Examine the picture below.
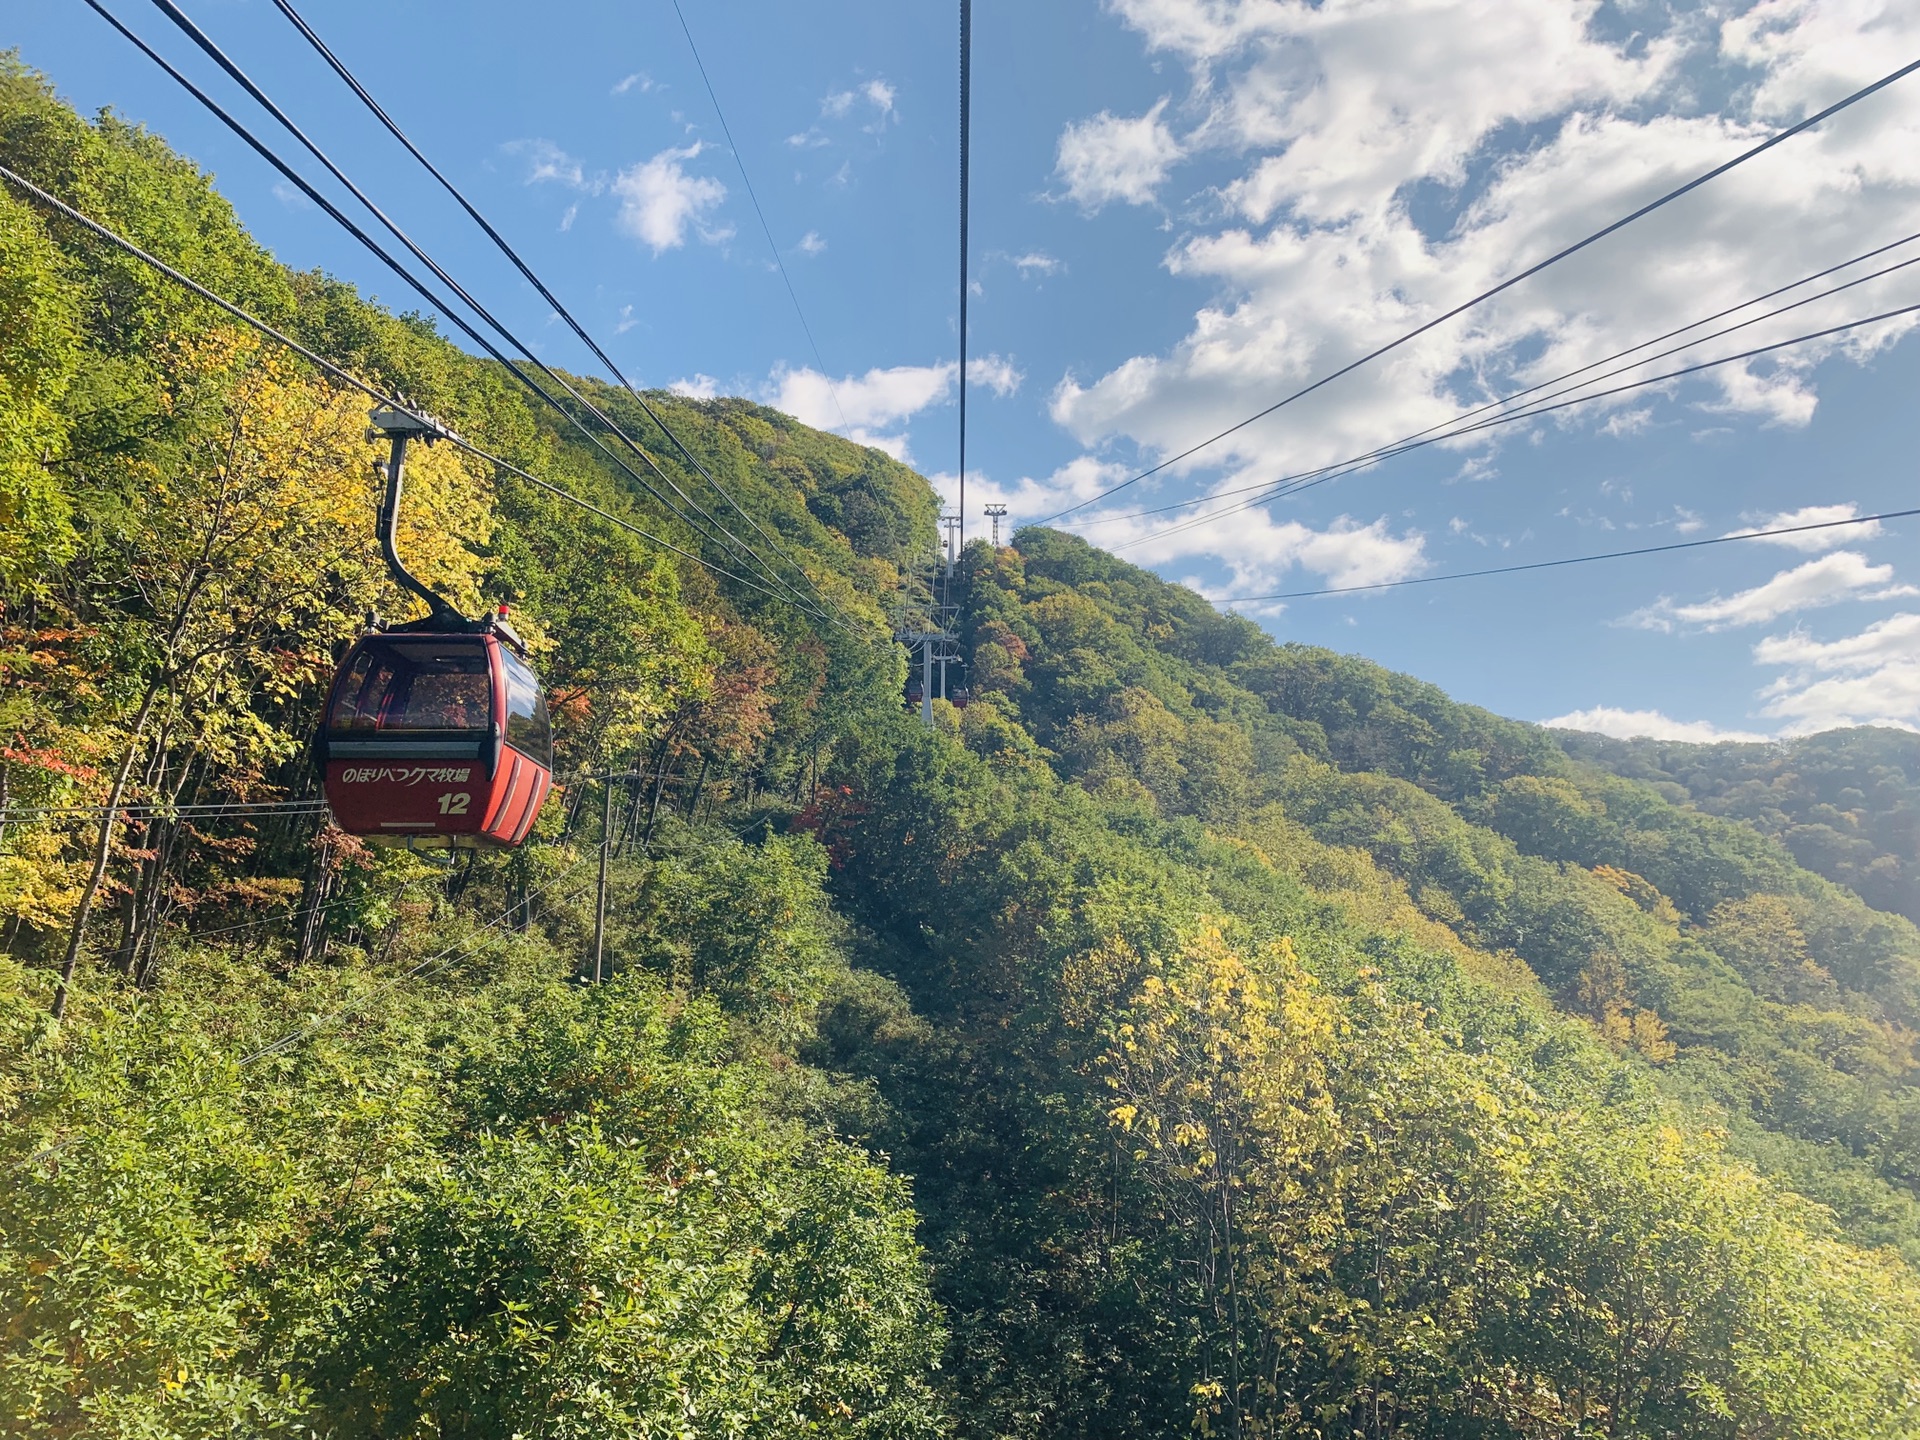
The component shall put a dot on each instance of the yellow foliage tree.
(250, 544)
(1218, 1073)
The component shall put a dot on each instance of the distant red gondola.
(435, 732)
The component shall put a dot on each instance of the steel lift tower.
(923, 621)
(996, 513)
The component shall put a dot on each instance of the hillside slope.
(1193, 1034)
(1745, 980)
(1845, 802)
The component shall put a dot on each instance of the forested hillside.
(1740, 979)
(1845, 802)
(1193, 1033)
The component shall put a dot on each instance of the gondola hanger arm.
(398, 428)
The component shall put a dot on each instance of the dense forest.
(1845, 802)
(1194, 1033)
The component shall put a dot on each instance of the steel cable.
(717, 532)
(740, 161)
(1668, 198)
(1571, 559)
(366, 97)
(966, 147)
(1534, 412)
(1286, 484)
(346, 377)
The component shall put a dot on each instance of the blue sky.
(1183, 209)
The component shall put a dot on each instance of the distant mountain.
(1845, 802)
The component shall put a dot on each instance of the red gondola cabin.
(436, 739)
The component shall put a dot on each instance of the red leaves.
(339, 850)
(997, 632)
(292, 665)
(738, 713)
(571, 707)
(830, 817)
(41, 758)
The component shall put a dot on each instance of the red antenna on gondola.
(436, 730)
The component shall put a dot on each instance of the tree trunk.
(653, 812)
(102, 852)
(460, 877)
(522, 893)
(600, 900)
(315, 891)
(144, 905)
(630, 806)
(577, 791)
(693, 809)
(1233, 1304)
(657, 761)
(146, 908)
(129, 919)
(103, 842)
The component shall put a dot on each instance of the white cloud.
(1259, 555)
(1651, 724)
(875, 405)
(876, 97)
(1257, 550)
(660, 201)
(872, 408)
(1628, 422)
(1843, 575)
(1872, 678)
(1814, 541)
(1109, 158)
(1782, 396)
(291, 196)
(1895, 638)
(1889, 696)
(571, 214)
(880, 95)
(1037, 262)
(639, 78)
(811, 243)
(1358, 96)
(1393, 157)
(626, 321)
(884, 397)
(1029, 498)
(700, 387)
(995, 373)
(547, 163)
